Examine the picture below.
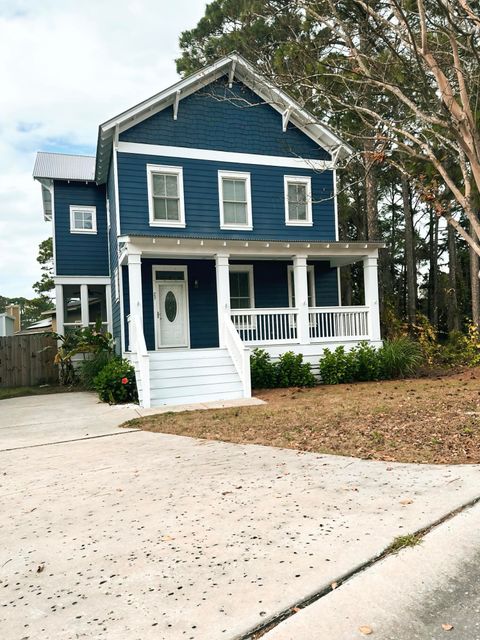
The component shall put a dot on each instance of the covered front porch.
(230, 296)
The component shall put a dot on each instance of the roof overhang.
(232, 65)
(337, 253)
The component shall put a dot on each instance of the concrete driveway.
(140, 535)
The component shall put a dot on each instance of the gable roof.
(233, 65)
(62, 166)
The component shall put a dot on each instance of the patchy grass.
(402, 542)
(17, 392)
(426, 420)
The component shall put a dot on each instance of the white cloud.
(66, 67)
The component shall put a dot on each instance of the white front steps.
(194, 375)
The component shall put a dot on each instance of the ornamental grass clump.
(116, 382)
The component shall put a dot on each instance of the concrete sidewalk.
(143, 535)
(407, 596)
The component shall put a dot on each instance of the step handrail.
(137, 345)
(239, 353)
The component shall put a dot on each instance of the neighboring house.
(7, 325)
(206, 225)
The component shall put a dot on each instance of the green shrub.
(91, 367)
(337, 366)
(366, 362)
(293, 372)
(400, 357)
(263, 371)
(116, 382)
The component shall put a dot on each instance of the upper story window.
(298, 200)
(83, 219)
(235, 200)
(165, 196)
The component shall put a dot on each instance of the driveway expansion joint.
(48, 444)
(269, 625)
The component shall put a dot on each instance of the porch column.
(223, 291)
(84, 305)
(59, 315)
(300, 280)
(135, 284)
(370, 277)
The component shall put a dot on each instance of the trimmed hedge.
(289, 371)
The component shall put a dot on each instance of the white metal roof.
(61, 166)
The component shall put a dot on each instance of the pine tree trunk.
(452, 300)
(433, 270)
(474, 283)
(371, 193)
(410, 267)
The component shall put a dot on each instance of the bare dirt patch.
(426, 420)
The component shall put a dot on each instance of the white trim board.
(224, 156)
(81, 280)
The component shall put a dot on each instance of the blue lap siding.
(224, 119)
(80, 254)
(202, 211)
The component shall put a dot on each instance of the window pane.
(240, 191)
(301, 211)
(228, 189)
(171, 186)
(240, 290)
(229, 212)
(240, 213)
(97, 303)
(158, 181)
(172, 209)
(159, 209)
(72, 312)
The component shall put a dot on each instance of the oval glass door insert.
(170, 306)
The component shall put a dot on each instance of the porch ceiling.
(338, 253)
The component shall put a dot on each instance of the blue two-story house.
(206, 225)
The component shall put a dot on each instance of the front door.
(172, 314)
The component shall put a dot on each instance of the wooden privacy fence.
(26, 361)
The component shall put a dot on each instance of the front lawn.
(17, 392)
(429, 420)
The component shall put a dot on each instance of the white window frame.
(174, 171)
(88, 208)
(310, 284)
(235, 175)
(304, 180)
(244, 268)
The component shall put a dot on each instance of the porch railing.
(138, 348)
(266, 326)
(276, 326)
(239, 353)
(336, 323)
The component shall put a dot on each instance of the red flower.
(124, 380)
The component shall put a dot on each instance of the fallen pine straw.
(426, 420)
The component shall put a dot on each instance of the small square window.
(83, 219)
(165, 195)
(235, 200)
(298, 201)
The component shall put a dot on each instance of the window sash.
(310, 283)
(240, 289)
(298, 200)
(83, 219)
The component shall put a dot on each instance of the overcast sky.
(66, 66)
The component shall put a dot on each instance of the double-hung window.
(310, 283)
(83, 219)
(298, 200)
(235, 200)
(241, 287)
(165, 196)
